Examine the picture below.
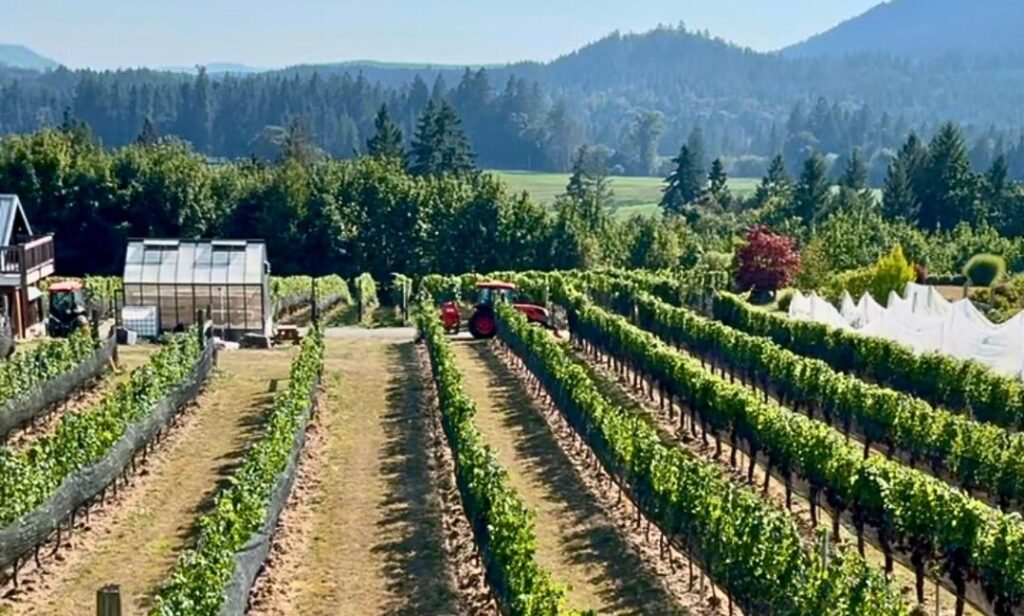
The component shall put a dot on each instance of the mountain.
(19, 56)
(924, 29)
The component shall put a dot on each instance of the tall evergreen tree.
(812, 191)
(589, 177)
(776, 183)
(425, 154)
(387, 140)
(577, 186)
(898, 197)
(297, 144)
(695, 141)
(684, 184)
(718, 184)
(440, 145)
(998, 194)
(148, 135)
(950, 188)
(855, 174)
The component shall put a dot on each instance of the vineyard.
(661, 447)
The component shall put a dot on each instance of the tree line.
(635, 96)
(425, 207)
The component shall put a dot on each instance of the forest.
(635, 96)
(428, 208)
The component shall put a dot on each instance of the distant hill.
(216, 68)
(532, 115)
(19, 56)
(924, 29)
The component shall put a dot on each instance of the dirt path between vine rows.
(136, 541)
(576, 540)
(363, 532)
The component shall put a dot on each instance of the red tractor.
(482, 324)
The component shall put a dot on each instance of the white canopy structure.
(925, 321)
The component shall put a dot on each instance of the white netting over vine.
(925, 321)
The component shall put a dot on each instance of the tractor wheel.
(482, 325)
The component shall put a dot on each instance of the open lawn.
(632, 195)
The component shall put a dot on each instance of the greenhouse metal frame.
(227, 279)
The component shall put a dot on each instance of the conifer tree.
(855, 175)
(898, 198)
(148, 135)
(440, 145)
(776, 183)
(684, 184)
(718, 184)
(387, 140)
(950, 188)
(812, 191)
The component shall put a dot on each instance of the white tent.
(925, 321)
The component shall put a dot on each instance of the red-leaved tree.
(767, 262)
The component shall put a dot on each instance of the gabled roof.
(10, 212)
(206, 262)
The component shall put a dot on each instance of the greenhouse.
(228, 279)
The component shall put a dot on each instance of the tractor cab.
(483, 323)
(67, 309)
(491, 293)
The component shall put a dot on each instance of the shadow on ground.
(414, 556)
(625, 584)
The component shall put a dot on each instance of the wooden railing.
(25, 257)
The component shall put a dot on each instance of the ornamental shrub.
(784, 300)
(985, 269)
(766, 262)
(891, 273)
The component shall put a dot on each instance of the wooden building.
(25, 260)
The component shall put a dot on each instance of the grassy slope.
(633, 195)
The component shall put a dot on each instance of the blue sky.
(273, 33)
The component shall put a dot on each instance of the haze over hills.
(21, 57)
(924, 29)
(915, 29)
(532, 115)
(215, 68)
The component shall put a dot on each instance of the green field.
(632, 195)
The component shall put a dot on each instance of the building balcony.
(27, 262)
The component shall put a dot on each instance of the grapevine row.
(240, 511)
(501, 522)
(749, 548)
(30, 370)
(976, 455)
(28, 477)
(939, 378)
(910, 510)
(290, 293)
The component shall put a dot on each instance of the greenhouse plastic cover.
(925, 321)
(189, 262)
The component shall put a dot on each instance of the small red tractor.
(67, 309)
(482, 324)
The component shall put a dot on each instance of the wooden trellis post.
(108, 601)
